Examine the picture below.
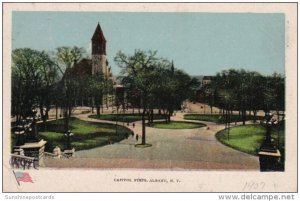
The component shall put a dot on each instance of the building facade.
(98, 61)
(97, 64)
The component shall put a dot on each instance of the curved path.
(171, 149)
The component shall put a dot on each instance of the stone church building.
(98, 61)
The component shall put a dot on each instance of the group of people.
(132, 133)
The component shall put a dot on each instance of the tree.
(139, 70)
(96, 85)
(34, 75)
(172, 88)
(274, 93)
(68, 56)
(154, 83)
(250, 91)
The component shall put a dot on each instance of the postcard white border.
(93, 180)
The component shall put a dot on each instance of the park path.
(171, 149)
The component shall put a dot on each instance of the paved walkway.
(171, 149)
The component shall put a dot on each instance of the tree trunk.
(254, 116)
(244, 117)
(106, 100)
(143, 128)
(149, 118)
(47, 112)
(70, 111)
(98, 110)
(43, 116)
(66, 120)
(166, 116)
(152, 115)
(56, 112)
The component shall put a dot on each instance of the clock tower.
(99, 60)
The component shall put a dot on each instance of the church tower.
(99, 60)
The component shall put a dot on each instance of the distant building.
(99, 59)
(207, 80)
(98, 63)
(202, 92)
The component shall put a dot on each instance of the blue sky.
(199, 43)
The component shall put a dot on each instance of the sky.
(198, 43)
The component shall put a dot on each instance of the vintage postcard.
(150, 97)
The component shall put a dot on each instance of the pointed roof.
(172, 67)
(98, 34)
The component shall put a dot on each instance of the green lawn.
(177, 125)
(124, 117)
(249, 138)
(87, 135)
(217, 118)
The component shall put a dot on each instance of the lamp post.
(267, 144)
(269, 156)
(68, 135)
(30, 127)
(117, 121)
(20, 133)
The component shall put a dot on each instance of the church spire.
(98, 34)
(98, 42)
(172, 67)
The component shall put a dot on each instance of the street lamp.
(269, 156)
(20, 134)
(267, 144)
(117, 121)
(30, 127)
(68, 135)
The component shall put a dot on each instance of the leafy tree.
(249, 91)
(139, 70)
(68, 56)
(173, 87)
(34, 75)
(95, 86)
(154, 83)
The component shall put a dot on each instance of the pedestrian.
(133, 125)
(127, 123)
(132, 134)
(137, 137)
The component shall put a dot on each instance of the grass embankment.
(249, 138)
(124, 117)
(217, 118)
(177, 125)
(87, 135)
